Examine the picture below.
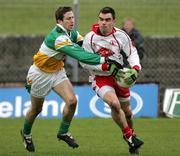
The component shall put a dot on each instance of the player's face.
(106, 23)
(68, 21)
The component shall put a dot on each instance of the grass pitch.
(97, 137)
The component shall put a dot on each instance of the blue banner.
(14, 102)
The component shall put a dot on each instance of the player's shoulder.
(121, 34)
(55, 33)
(61, 37)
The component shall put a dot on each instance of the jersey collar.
(95, 28)
(61, 27)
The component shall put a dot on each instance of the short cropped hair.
(110, 10)
(59, 14)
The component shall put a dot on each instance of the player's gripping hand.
(115, 71)
(130, 76)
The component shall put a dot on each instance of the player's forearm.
(97, 68)
(81, 55)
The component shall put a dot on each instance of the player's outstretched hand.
(115, 71)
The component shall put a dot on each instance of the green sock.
(64, 127)
(27, 127)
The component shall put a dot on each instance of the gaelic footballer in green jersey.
(59, 43)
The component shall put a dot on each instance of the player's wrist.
(137, 68)
(105, 66)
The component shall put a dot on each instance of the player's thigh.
(109, 96)
(65, 91)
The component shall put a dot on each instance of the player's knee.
(115, 105)
(72, 101)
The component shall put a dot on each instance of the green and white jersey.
(59, 43)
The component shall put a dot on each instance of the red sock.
(127, 132)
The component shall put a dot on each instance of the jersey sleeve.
(65, 45)
(130, 51)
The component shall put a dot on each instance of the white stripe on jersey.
(50, 52)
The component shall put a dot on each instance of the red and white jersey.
(111, 44)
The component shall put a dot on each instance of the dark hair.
(106, 10)
(59, 14)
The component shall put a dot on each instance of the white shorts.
(42, 83)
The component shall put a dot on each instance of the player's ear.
(59, 21)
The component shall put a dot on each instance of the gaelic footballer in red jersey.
(106, 39)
